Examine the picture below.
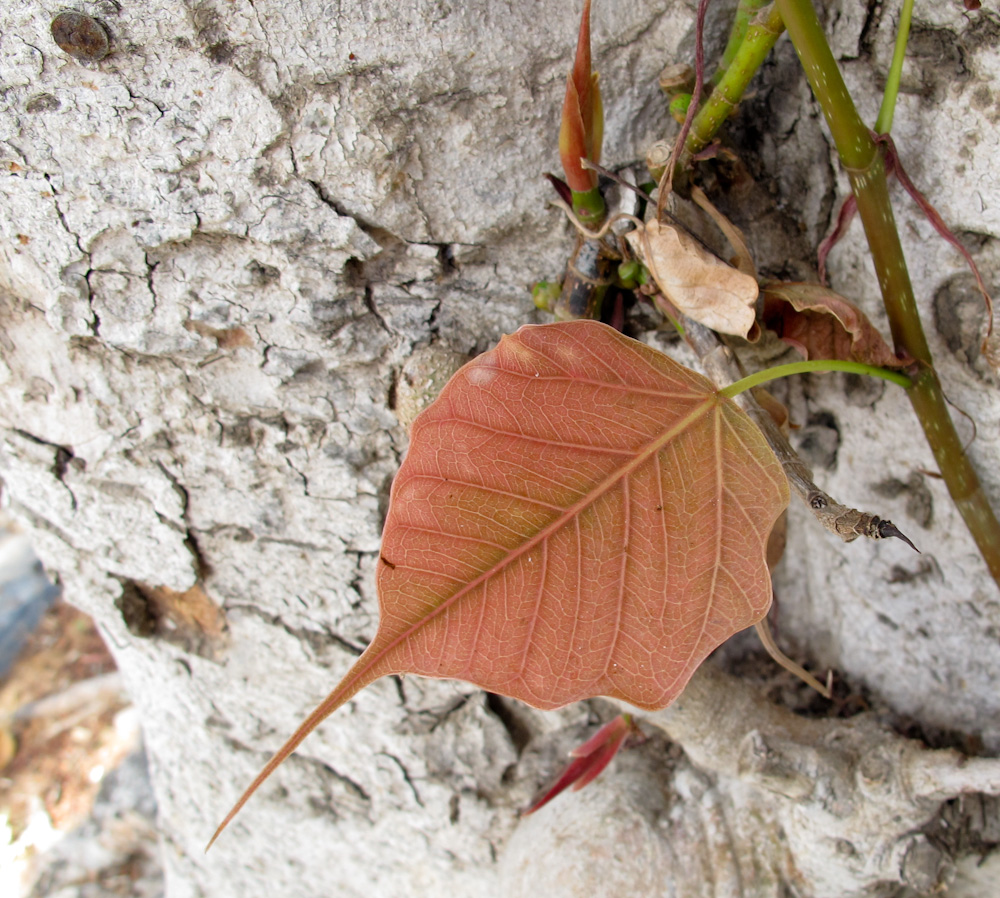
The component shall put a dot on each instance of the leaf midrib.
(711, 401)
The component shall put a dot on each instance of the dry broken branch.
(722, 368)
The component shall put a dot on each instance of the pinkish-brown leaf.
(577, 515)
(822, 324)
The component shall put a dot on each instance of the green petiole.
(768, 374)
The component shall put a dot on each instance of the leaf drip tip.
(887, 529)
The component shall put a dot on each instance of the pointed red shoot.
(589, 759)
(582, 130)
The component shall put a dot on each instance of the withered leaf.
(698, 284)
(822, 324)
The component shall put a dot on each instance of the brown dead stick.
(771, 647)
(722, 368)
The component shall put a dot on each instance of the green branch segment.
(745, 11)
(762, 31)
(883, 124)
(865, 166)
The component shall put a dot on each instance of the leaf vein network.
(546, 441)
(495, 490)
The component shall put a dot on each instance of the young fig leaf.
(822, 324)
(577, 515)
(589, 759)
(582, 129)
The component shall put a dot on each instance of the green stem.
(854, 142)
(741, 21)
(883, 124)
(760, 37)
(864, 163)
(768, 374)
(589, 207)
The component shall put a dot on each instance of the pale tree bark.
(236, 249)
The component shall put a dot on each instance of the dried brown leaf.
(698, 284)
(822, 324)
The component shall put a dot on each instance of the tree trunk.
(238, 248)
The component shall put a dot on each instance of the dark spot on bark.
(981, 97)
(312, 370)
(82, 37)
(238, 434)
(982, 34)
(221, 52)
(42, 103)
(960, 318)
(925, 568)
(862, 391)
(62, 462)
(332, 314)
(38, 389)
(136, 611)
(885, 621)
(819, 441)
(355, 274)
(869, 30)
(261, 275)
(919, 501)
(890, 487)
(973, 241)
(188, 619)
(505, 711)
(941, 59)
(392, 393)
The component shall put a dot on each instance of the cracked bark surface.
(236, 257)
